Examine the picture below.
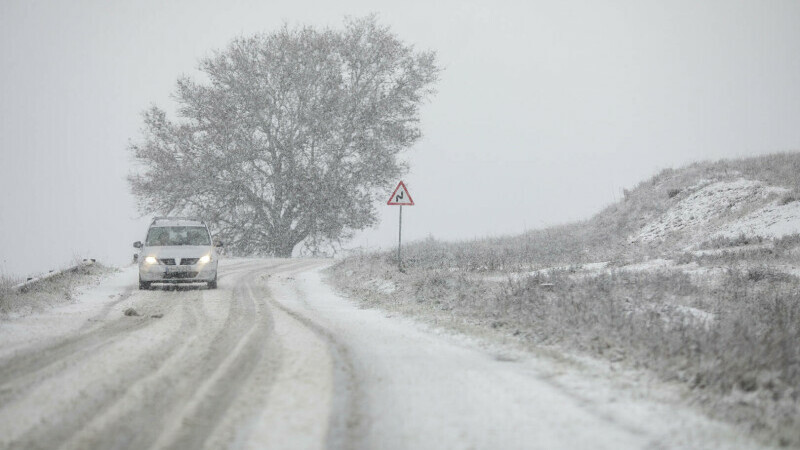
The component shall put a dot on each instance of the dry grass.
(733, 339)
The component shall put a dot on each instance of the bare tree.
(290, 138)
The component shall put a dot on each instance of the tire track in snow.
(345, 420)
(91, 323)
(122, 422)
(168, 382)
(203, 413)
(144, 419)
(74, 352)
(21, 371)
(231, 360)
(90, 400)
(139, 418)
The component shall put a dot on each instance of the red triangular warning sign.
(400, 196)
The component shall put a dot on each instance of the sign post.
(400, 240)
(400, 197)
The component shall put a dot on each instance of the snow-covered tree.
(291, 137)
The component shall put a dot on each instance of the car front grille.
(179, 275)
(167, 261)
(189, 261)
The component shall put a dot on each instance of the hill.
(693, 275)
(677, 209)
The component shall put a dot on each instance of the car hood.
(178, 251)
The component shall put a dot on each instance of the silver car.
(177, 250)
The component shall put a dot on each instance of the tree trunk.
(285, 250)
(281, 244)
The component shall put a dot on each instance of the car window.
(160, 236)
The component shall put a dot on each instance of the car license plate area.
(179, 275)
(178, 269)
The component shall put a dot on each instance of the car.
(177, 250)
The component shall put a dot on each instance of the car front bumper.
(161, 273)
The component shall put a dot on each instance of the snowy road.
(274, 359)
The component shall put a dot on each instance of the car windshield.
(160, 236)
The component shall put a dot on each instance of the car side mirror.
(218, 244)
(137, 244)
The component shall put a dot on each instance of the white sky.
(545, 111)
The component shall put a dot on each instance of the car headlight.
(204, 259)
(151, 260)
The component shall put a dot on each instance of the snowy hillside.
(687, 207)
(693, 275)
(718, 208)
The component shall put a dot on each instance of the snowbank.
(771, 221)
(708, 202)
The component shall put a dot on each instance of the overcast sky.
(545, 110)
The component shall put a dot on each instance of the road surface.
(275, 359)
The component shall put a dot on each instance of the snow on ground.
(197, 368)
(593, 269)
(773, 220)
(705, 317)
(649, 265)
(417, 386)
(19, 330)
(583, 269)
(719, 251)
(295, 365)
(382, 286)
(707, 203)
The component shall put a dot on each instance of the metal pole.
(400, 241)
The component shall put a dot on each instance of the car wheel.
(212, 284)
(144, 285)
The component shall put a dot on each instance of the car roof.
(176, 222)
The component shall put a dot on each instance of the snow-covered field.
(276, 359)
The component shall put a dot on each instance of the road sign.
(400, 196)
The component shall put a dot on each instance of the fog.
(545, 110)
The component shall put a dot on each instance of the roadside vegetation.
(719, 314)
(46, 293)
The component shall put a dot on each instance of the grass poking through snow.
(46, 293)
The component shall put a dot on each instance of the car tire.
(144, 285)
(212, 284)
